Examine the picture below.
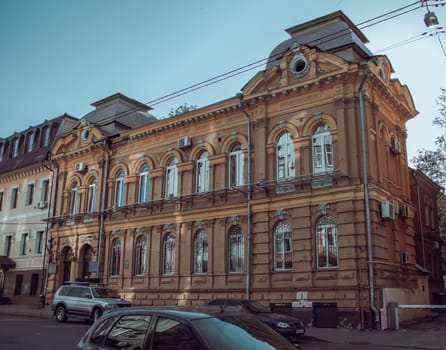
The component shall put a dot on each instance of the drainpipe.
(102, 210)
(51, 205)
(366, 199)
(420, 219)
(249, 210)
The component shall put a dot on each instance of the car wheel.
(61, 314)
(97, 312)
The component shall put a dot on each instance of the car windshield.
(104, 293)
(239, 332)
(254, 306)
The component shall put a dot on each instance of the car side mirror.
(87, 295)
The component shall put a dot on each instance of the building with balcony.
(294, 193)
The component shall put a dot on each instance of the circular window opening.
(298, 65)
(85, 134)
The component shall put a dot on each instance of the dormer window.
(85, 134)
(31, 138)
(15, 150)
(46, 136)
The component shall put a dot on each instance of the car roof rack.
(86, 282)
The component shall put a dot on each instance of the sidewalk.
(427, 334)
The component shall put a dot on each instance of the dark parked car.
(162, 328)
(290, 327)
(85, 300)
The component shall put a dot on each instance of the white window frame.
(74, 198)
(30, 191)
(322, 150)
(31, 140)
(92, 196)
(283, 246)
(169, 255)
(7, 244)
(115, 260)
(236, 166)
(15, 149)
(45, 190)
(119, 189)
(39, 237)
(172, 179)
(24, 238)
(203, 172)
(285, 157)
(201, 252)
(14, 200)
(236, 250)
(144, 184)
(140, 255)
(46, 136)
(326, 243)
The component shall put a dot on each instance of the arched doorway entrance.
(66, 259)
(86, 256)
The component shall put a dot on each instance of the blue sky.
(60, 56)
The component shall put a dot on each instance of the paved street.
(24, 332)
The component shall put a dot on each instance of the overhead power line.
(256, 64)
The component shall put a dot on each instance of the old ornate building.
(295, 192)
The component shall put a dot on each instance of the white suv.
(84, 300)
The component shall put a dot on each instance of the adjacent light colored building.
(295, 193)
(25, 196)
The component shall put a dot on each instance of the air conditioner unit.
(41, 205)
(80, 167)
(405, 257)
(387, 210)
(404, 211)
(184, 142)
(396, 207)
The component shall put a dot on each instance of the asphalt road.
(23, 333)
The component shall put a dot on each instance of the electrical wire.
(197, 86)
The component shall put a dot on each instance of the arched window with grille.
(285, 158)
(119, 189)
(201, 252)
(326, 242)
(283, 248)
(74, 199)
(203, 173)
(92, 196)
(144, 184)
(169, 255)
(236, 176)
(322, 150)
(115, 257)
(140, 255)
(172, 179)
(236, 249)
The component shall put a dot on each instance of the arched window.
(236, 249)
(236, 166)
(285, 157)
(119, 189)
(201, 252)
(74, 199)
(169, 255)
(326, 242)
(115, 257)
(172, 179)
(140, 255)
(203, 173)
(283, 249)
(92, 196)
(144, 184)
(322, 150)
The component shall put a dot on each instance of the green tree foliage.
(181, 109)
(433, 162)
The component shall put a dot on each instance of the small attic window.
(299, 65)
(85, 133)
